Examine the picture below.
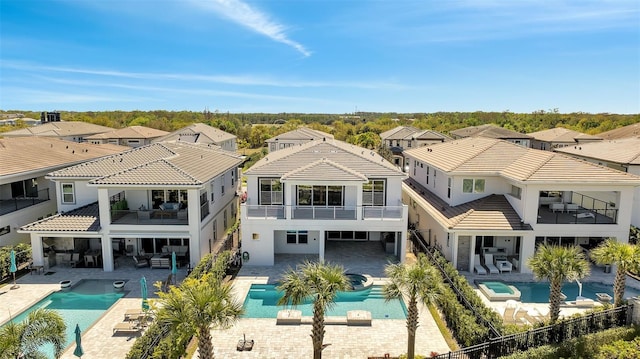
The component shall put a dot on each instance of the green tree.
(625, 256)
(24, 339)
(196, 306)
(420, 283)
(558, 264)
(369, 140)
(319, 282)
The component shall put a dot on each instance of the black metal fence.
(548, 335)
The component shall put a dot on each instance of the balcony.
(324, 212)
(15, 204)
(575, 215)
(152, 217)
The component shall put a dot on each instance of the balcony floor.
(133, 218)
(547, 216)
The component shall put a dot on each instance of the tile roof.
(129, 132)
(560, 134)
(488, 131)
(358, 159)
(325, 169)
(24, 154)
(175, 163)
(302, 133)
(493, 212)
(83, 219)
(60, 129)
(399, 133)
(197, 133)
(497, 157)
(632, 130)
(431, 135)
(623, 151)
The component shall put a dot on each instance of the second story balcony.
(150, 217)
(15, 204)
(579, 208)
(323, 212)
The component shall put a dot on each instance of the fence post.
(635, 310)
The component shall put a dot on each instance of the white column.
(107, 254)
(36, 250)
(321, 238)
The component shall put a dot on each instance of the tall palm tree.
(558, 264)
(319, 282)
(625, 256)
(198, 305)
(419, 283)
(24, 339)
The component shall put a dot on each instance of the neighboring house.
(632, 130)
(403, 138)
(25, 194)
(295, 138)
(622, 154)
(132, 136)
(76, 131)
(201, 133)
(549, 140)
(304, 198)
(25, 120)
(478, 196)
(155, 199)
(493, 131)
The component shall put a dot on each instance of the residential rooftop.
(623, 151)
(301, 134)
(197, 133)
(140, 132)
(632, 130)
(488, 131)
(59, 129)
(565, 135)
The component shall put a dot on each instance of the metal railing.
(324, 212)
(150, 217)
(15, 204)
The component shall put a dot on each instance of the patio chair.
(488, 262)
(478, 265)
(75, 260)
(88, 260)
(138, 263)
(509, 315)
(128, 327)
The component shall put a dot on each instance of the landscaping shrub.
(620, 349)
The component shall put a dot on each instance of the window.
(270, 191)
(68, 194)
(204, 205)
(320, 195)
(472, 185)
(222, 184)
(213, 191)
(516, 191)
(224, 219)
(160, 196)
(427, 174)
(234, 213)
(449, 187)
(373, 193)
(297, 237)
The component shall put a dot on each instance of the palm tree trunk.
(317, 331)
(618, 286)
(205, 347)
(554, 300)
(412, 327)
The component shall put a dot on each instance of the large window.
(472, 185)
(270, 191)
(516, 191)
(297, 237)
(68, 193)
(373, 193)
(320, 195)
(160, 196)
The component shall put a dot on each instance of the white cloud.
(254, 19)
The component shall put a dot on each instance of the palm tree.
(320, 282)
(558, 264)
(625, 256)
(24, 339)
(418, 282)
(196, 306)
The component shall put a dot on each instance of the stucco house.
(403, 138)
(491, 201)
(202, 133)
(302, 199)
(76, 131)
(559, 137)
(493, 131)
(154, 199)
(132, 136)
(26, 195)
(294, 138)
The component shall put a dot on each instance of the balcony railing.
(323, 212)
(577, 215)
(151, 217)
(15, 204)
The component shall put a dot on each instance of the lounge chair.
(133, 314)
(140, 262)
(477, 266)
(488, 262)
(128, 327)
(509, 315)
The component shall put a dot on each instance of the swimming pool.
(262, 299)
(538, 292)
(83, 304)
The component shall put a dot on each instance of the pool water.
(538, 292)
(83, 304)
(262, 299)
(498, 287)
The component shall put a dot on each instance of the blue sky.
(320, 56)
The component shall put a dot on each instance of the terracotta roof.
(503, 158)
(325, 169)
(156, 164)
(197, 133)
(358, 159)
(24, 154)
(302, 133)
(60, 129)
(560, 134)
(488, 213)
(488, 131)
(83, 219)
(623, 151)
(632, 130)
(129, 132)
